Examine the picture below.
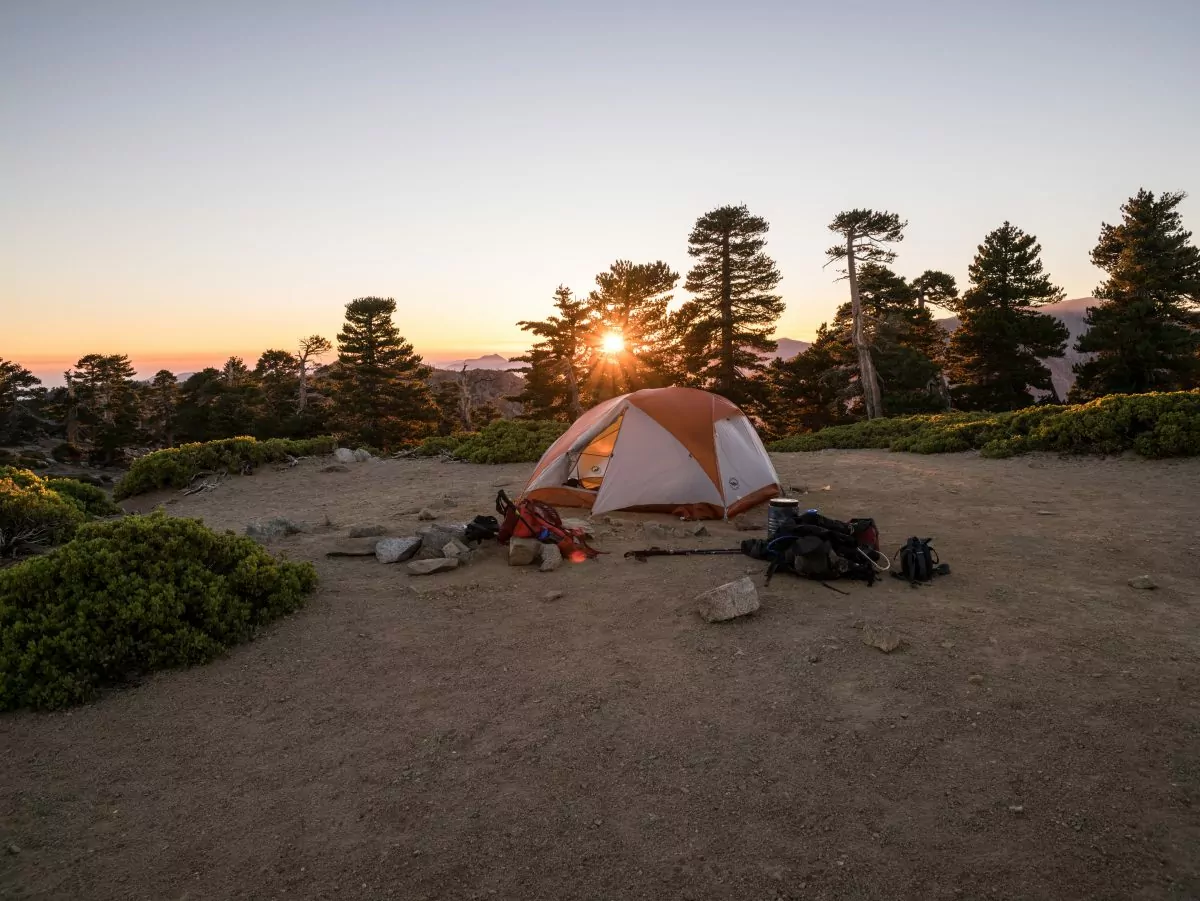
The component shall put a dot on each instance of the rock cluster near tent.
(527, 551)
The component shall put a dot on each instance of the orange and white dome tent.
(658, 450)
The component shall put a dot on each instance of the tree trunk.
(867, 377)
(572, 389)
(464, 399)
(72, 417)
(302, 399)
(727, 370)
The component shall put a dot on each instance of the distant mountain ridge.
(487, 361)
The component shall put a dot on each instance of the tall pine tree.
(17, 390)
(630, 301)
(278, 375)
(555, 378)
(382, 397)
(160, 405)
(865, 236)
(726, 329)
(995, 354)
(1145, 333)
(104, 408)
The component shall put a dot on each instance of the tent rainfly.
(677, 450)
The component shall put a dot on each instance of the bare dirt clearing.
(457, 736)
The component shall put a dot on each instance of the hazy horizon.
(183, 184)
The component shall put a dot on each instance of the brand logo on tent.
(734, 483)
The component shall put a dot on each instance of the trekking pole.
(643, 555)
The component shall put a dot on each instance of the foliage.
(558, 360)
(436, 445)
(995, 355)
(32, 513)
(66, 453)
(865, 234)
(381, 394)
(160, 405)
(1145, 333)
(18, 388)
(129, 597)
(510, 441)
(1153, 425)
(91, 500)
(103, 406)
(630, 300)
(175, 467)
(726, 328)
(310, 350)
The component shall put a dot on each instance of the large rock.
(552, 558)
(396, 550)
(523, 551)
(456, 550)
(344, 455)
(278, 527)
(367, 531)
(362, 455)
(435, 538)
(428, 567)
(728, 601)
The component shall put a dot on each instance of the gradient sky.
(182, 181)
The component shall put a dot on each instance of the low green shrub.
(510, 441)
(436, 445)
(1153, 425)
(90, 499)
(132, 596)
(175, 467)
(33, 514)
(66, 453)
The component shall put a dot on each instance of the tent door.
(592, 462)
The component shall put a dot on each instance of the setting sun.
(612, 343)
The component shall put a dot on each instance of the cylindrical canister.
(779, 511)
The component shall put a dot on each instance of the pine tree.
(995, 355)
(312, 349)
(278, 375)
(937, 289)
(195, 418)
(1145, 333)
(160, 407)
(382, 395)
(810, 391)
(17, 392)
(864, 236)
(726, 328)
(555, 378)
(105, 404)
(630, 301)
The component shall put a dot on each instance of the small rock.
(353, 547)
(1016, 808)
(396, 550)
(335, 467)
(435, 538)
(552, 595)
(273, 528)
(448, 501)
(581, 524)
(552, 558)
(659, 530)
(523, 551)
(1143, 582)
(882, 637)
(367, 531)
(500, 483)
(1047, 513)
(975, 679)
(428, 567)
(362, 455)
(426, 515)
(742, 524)
(728, 601)
(813, 658)
(699, 530)
(456, 550)
(14, 849)
(344, 455)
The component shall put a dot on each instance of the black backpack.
(917, 562)
(819, 548)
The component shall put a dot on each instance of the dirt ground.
(457, 736)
